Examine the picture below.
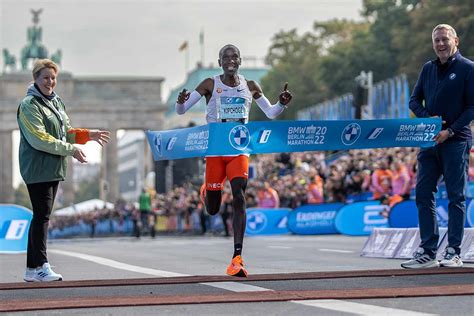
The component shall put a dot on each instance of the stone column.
(148, 157)
(169, 179)
(111, 164)
(6, 167)
(102, 180)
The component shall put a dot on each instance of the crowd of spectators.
(280, 180)
(319, 177)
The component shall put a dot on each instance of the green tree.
(394, 38)
(346, 55)
(415, 37)
(294, 59)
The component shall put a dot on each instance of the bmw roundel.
(256, 222)
(351, 134)
(239, 137)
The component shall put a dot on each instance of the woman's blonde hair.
(41, 64)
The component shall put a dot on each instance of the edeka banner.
(405, 214)
(267, 221)
(217, 139)
(314, 219)
(14, 224)
(360, 218)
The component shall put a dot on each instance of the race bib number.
(233, 108)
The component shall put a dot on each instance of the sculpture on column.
(56, 57)
(34, 48)
(9, 61)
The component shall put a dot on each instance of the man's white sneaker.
(29, 275)
(451, 259)
(46, 274)
(420, 260)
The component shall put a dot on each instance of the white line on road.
(116, 264)
(350, 307)
(358, 308)
(237, 287)
(231, 286)
(336, 250)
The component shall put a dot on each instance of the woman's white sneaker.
(46, 274)
(29, 275)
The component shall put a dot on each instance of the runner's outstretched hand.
(183, 96)
(285, 95)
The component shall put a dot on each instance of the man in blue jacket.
(445, 89)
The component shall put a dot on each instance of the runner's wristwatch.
(450, 132)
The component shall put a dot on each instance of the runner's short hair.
(221, 52)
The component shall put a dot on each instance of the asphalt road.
(176, 256)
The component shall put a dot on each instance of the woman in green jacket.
(47, 138)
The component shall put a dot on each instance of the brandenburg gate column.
(111, 166)
(6, 167)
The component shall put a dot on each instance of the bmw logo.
(256, 222)
(452, 76)
(239, 137)
(350, 134)
(158, 144)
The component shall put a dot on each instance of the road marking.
(358, 308)
(237, 287)
(231, 286)
(336, 250)
(116, 264)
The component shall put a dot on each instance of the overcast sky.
(141, 37)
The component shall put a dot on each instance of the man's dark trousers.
(450, 160)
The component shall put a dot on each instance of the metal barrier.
(388, 99)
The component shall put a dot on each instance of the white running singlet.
(229, 103)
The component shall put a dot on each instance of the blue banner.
(14, 225)
(291, 136)
(364, 196)
(267, 221)
(314, 219)
(405, 214)
(470, 213)
(360, 218)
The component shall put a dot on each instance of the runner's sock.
(237, 250)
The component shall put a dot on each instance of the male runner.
(228, 98)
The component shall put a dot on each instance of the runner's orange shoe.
(236, 267)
